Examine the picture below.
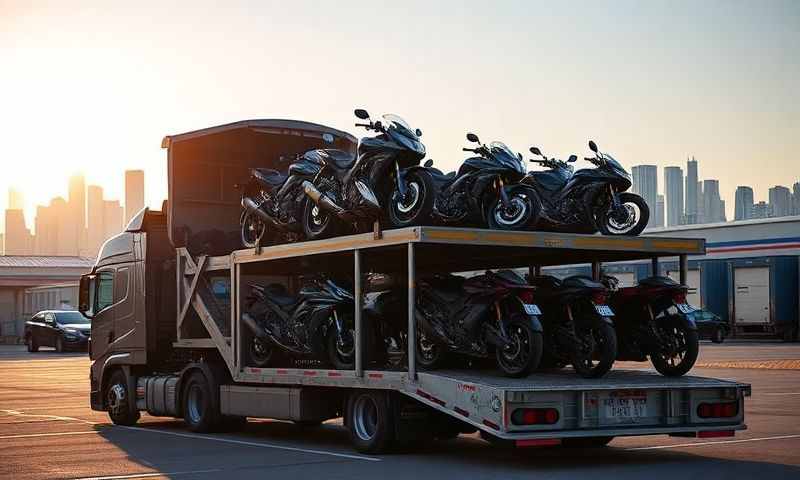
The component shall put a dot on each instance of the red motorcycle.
(654, 320)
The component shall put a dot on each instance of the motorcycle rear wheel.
(523, 210)
(430, 355)
(252, 230)
(636, 206)
(415, 209)
(260, 351)
(343, 357)
(524, 353)
(688, 344)
(596, 361)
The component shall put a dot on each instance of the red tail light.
(679, 297)
(599, 298)
(718, 410)
(534, 416)
(526, 296)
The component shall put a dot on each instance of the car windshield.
(401, 125)
(65, 318)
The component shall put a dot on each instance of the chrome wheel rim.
(517, 209)
(194, 403)
(408, 202)
(624, 227)
(116, 399)
(365, 417)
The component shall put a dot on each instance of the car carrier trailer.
(168, 339)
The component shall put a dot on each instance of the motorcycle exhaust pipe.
(324, 202)
(252, 206)
(251, 323)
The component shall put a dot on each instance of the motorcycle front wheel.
(317, 223)
(429, 354)
(520, 212)
(524, 351)
(596, 350)
(414, 208)
(260, 352)
(252, 230)
(342, 353)
(679, 356)
(630, 219)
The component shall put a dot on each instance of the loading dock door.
(693, 297)
(751, 294)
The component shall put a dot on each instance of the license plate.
(625, 406)
(604, 310)
(532, 309)
(685, 308)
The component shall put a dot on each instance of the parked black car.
(711, 326)
(62, 329)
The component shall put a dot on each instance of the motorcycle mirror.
(418, 132)
(536, 151)
(473, 138)
(592, 146)
(572, 158)
(428, 163)
(519, 155)
(361, 113)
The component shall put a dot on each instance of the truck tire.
(32, 344)
(118, 399)
(586, 442)
(199, 408)
(370, 421)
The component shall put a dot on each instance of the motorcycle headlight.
(411, 144)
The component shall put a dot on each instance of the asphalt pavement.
(47, 430)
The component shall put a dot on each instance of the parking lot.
(48, 431)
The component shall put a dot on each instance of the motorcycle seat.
(269, 177)
(658, 281)
(338, 159)
(550, 180)
(581, 281)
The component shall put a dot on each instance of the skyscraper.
(712, 203)
(700, 215)
(95, 213)
(112, 218)
(693, 196)
(645, 183)
(780, 201)
(46, 240)
(17, 236)
(673, 188)
(76, 211)
(16, 201)
(761, 210)
(134, 193)
(796, 198)
(659, 211)
(743, 209)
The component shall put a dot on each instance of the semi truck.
(167, 295)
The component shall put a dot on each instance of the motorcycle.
(385, 311)
(589, 200)
(272, 202)
(494, 311)
(485, 191)
(578, 328)
(318, 323)
(653, 320)
(349, 189)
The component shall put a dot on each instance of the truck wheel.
(586, 442)
(718, 336)
(370, 421)
(199, 410)
(32, 344)
(118, 400)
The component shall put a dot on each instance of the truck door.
(103, 320)
(751, 298)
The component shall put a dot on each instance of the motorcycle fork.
(502, 192)
(401, 184)
(500, 323)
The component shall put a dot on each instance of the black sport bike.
(315, 324)
(272, 201)
(484, 192)
(349, 190)
(492, 314)
(589, 200)
(578, 328)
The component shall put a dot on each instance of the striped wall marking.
(780, 246)
(282, 372)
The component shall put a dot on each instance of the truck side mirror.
(86, 294)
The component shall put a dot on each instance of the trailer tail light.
(526, 296)
(599, 298)
(718, 410)
(534, 416)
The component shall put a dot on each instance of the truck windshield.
(65, 318)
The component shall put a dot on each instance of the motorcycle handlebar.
(365, 125)
(465, 149)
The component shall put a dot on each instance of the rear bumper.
(621, 432)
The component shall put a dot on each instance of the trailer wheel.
(586, 442)
(370, 421)
(199, 410)
(117, 400)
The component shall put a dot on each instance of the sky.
(93, 87)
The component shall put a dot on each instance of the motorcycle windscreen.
(205, 166)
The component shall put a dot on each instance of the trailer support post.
(683, 261)
(412, 323)
(596, 271)
(358, 317)
(534, 271)
(654, 266)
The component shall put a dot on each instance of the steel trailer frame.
(479, 399)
